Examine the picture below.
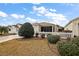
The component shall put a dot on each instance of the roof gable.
(72, 21)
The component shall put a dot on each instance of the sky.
(56, 13)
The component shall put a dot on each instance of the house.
(13, 29)
(46, 28)
(73, 26)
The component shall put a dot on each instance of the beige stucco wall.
(69, 27)
(56, 28)
(74, 27)
(36, 28)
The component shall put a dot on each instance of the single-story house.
(46, 28)
(73, 26)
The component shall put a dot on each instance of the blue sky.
(57, 13)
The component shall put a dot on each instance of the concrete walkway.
(10, 37)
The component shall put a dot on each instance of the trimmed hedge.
(53, 38)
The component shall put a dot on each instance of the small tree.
(26, 30)
(3, 30)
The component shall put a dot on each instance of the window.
(46, 29)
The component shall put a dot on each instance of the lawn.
(28, 47)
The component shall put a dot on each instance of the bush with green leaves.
(3, 30)
(53, 38)
(26, 30)
(68, 49)
(76, 41)
(68, 38)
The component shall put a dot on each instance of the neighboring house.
(73, 26)
(13, 29)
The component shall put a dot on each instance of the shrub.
(68, 38)
(26, 30)
(48, 35)
(42, 35)
(76, 41)
(68, 49)
(53, 38)
(3, 30)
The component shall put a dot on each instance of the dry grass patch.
(27, 47)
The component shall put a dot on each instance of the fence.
(61, 34)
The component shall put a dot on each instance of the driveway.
(6, 38)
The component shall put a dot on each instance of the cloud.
(17, 16)
(24, 9)
(39, 15)
(3, 14)
(4, 19)
(52, 10)
(40, 10)
(21, 16)
(57, 18)
(29, 19)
